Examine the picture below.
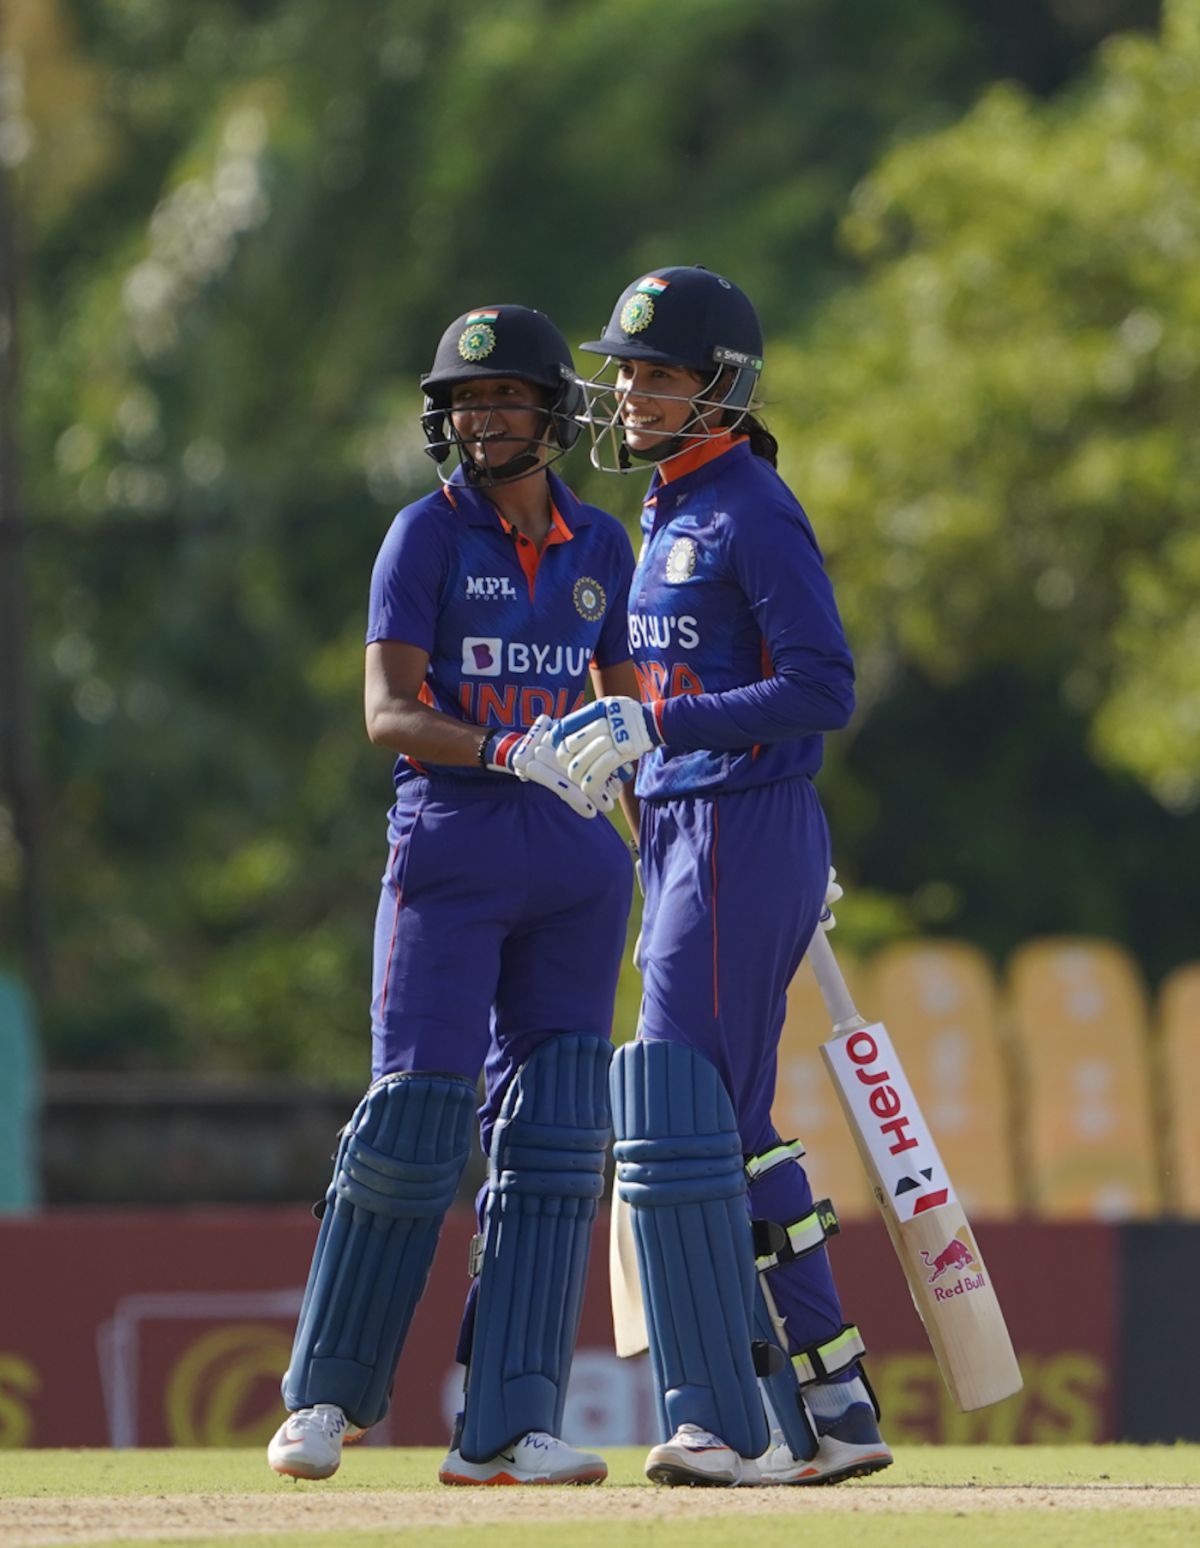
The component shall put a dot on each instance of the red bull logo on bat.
(960, 1255)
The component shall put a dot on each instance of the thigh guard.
(396, 1174)
(680, 1169)
(545, 1175)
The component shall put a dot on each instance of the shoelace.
(542, 1440)
(315, 1419)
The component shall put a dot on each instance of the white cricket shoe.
(537, 1458)
(695, 1456)
(849, 1446)
(308, 1444)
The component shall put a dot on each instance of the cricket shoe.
(698, 1458)
(308, 1444)
(537, 1458)
(849, 1446)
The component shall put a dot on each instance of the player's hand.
(529, 755)
(832, 893)
(602, 737)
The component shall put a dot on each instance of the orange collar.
(559, 531)
(696, 456)
(527, 554)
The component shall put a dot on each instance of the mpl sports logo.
(958, 1255)
(488, 587)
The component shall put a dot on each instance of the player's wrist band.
(481, 752)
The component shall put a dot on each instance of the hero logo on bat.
(902, 1148)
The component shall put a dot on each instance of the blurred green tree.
(245, 226)
(998, 428)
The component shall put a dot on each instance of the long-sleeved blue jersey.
(733, 627)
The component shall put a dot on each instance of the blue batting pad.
(680, 1169)
(396, 1174)
(783, 1388)
(545, 1174)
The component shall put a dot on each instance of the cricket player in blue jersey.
(743, 668)
(500, 928)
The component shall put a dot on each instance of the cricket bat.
(625, 1282)
(947, 1278)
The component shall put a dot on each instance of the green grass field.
(993, 1497)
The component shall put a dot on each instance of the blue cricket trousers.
(501, 922)
(735, 884)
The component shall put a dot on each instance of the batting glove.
(832, 893)
(602, 737)
(529, 755)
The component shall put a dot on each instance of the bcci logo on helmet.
(637, 314)
(478, 339)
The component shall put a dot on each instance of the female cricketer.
(500, 928)
(742, 666)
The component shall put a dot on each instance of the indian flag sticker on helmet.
(590, 601)
(652, 285)
(478, 339)
(637, 314)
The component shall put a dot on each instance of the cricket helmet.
(691, 317)
(502, 341)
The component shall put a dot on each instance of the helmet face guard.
(688, 318)
(491, 343)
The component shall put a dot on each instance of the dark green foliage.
(246, 225)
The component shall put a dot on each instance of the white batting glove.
(832, 893)
(529, 755)
(602, 737)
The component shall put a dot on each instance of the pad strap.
(545, 1176)
(759, 1166)
(822, 1361)
(775, 1243)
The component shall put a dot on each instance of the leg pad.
(680, 1168)
(396, 1174)
(545, 1177)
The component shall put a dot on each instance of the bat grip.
(841, 1007)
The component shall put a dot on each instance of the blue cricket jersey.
(510, 632)
(733, 627)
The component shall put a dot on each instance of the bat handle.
(842, 1011)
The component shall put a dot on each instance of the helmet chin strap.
(517, 467)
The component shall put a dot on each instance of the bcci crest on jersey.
(681, 561)
(589, 599)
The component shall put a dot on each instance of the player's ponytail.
(762, 443)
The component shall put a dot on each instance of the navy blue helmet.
(690, 317)
(502, 341)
